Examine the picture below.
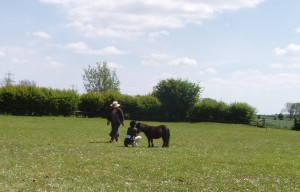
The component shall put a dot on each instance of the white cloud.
(129, 18)
(183, 61)
(253, 78)
(83, 48)
(295, 65)
(16, 54)
(288, 66)
(166, 75)
(253, 87)
(209, 71)
(110, 50)
(251, 82)
(292, 50)
(159, 56)
(161, 59)
(151, 63)
(52, 64)
(114, 65)
(156, 35)
(12, 50)
(41, 34)
(277, 65)
(279, 52)
(55, 64)
(298, 30)
(18, 60)
(2, 52)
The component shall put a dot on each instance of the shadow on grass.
(100, 142)
(107, 142)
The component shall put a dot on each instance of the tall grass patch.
(73, 154)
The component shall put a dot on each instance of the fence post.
(264, 124)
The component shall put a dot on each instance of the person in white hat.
(115, 117)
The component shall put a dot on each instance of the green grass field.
(73, 154)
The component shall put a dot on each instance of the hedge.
(32, 100)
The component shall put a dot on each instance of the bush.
(7, 99)
(240, 113)
(296, 123)
(147, 107)
(209, 110)
(63, 102)
(92, 104)
(32, 100)
(95, 104)
(177, 97)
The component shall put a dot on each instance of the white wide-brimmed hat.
(115, 104)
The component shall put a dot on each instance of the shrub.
(7, 99)
(209, 110)
(296, 123)
(92, 104)
(64, 102)
(32, 100)
(240, 113)
(148, 108)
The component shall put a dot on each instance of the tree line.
(171, 100)
(38, 101)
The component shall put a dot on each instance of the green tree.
(280, 116)
(293, 109)
(100, 78)
(209, 110)
(92, 104)
(240, 112)
(177, 97)
(147, 108)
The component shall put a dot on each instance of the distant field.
(272, 122)
(73, 154)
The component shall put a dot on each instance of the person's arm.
(121, 116)
(108, 117)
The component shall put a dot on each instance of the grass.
(73, 154)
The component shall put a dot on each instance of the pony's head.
(138, 127)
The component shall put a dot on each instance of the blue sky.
(238, 50)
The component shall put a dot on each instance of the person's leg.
(136, 140)
(114, 134)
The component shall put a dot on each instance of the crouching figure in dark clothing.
(131, 135)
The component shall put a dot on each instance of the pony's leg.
(148, 142)
(164, 142)
(167, 142)
(166, 138)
